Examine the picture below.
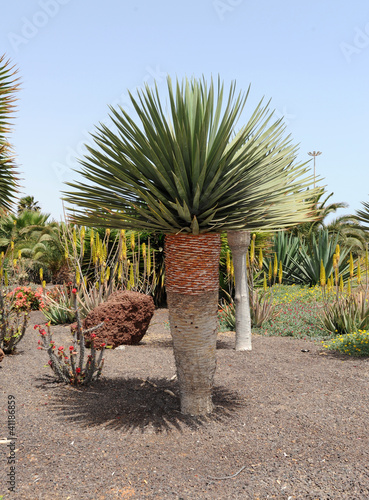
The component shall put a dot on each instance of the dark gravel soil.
(288, 425)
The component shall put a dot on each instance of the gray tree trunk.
(239, 242)
(194, 327)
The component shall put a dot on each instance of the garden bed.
(287, 424)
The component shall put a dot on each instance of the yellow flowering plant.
(352, 344)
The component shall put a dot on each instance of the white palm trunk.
(239, 242)
(192, 283)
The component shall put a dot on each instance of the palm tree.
(186, 174)
(363, 215)
(43, 246)
(320, 211)
(36, 238)
(19, 228)
(351, 234)
(9, 84)
(28, 203)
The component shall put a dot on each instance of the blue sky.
(76, 57)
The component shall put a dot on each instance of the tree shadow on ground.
(150, 405)
(340, 356)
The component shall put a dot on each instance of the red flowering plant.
(24, 298)
(69, 364)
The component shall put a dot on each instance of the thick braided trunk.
(192, 283)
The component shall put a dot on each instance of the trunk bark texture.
(192, 284)
(239, 242)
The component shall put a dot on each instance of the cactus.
(74, 369)
(13, 320)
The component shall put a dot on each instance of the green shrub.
(285, 247)
(58, 305)
(261, 307)
(261, 310)
(305, 266)
(346, 314)
(226, 315)
(353, 344)
(298, 318)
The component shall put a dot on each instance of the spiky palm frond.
(320, 211)
(9, 84)
(18, 228)
(350, 233)
(190, 172)
(28, 203)
(363, 215)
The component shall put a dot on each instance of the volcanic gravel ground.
(287, 424)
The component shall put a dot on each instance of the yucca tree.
(9, 84)
(185, 172)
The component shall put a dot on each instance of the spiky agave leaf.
(9, 84)
(191, 172)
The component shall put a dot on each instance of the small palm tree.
(37, 239)
(351, 235)
(42, 246)
(20, 228)
(8, 175)
(320, 211)
(187, 174)
(28, 203)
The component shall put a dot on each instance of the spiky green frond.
(363, 215)
(8, 175)
(21, 227)
(187, 170)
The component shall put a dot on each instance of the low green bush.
(58, 305)
(299, 318)
(353, 344)
(346, 314)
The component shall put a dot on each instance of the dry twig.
(228, 477)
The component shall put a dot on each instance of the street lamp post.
(314, 154)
